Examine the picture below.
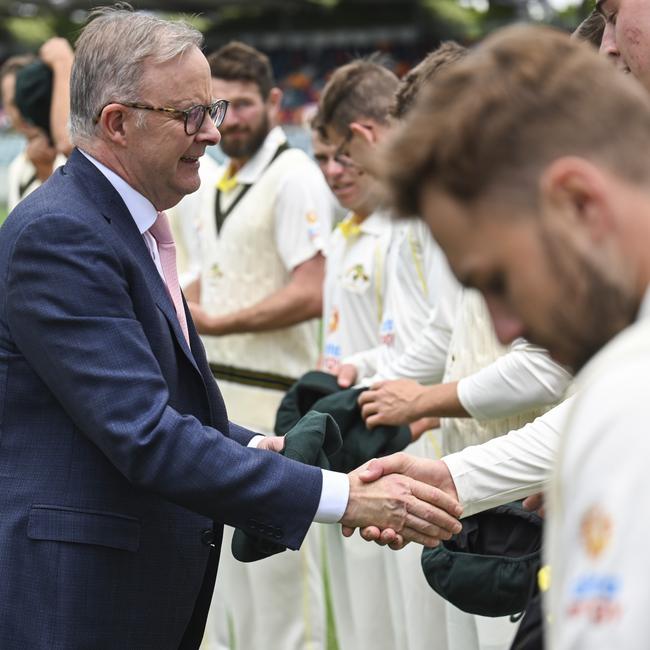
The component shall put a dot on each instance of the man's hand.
(347, 375)
(272, 443)
(204, 323)
(432, 472)
(58, 55)
(535, 503)
(56, 51)
(414, 510)
(390, 402)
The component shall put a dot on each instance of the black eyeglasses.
(192, 117)
(340, 156)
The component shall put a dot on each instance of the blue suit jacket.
(116, 454)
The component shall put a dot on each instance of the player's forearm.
(288, 306)
(60, 109)
(440, 401)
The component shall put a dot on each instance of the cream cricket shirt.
(599, 503)
(355, 283)
(410, 296)
(284, 219)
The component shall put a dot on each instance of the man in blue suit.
(118, 465)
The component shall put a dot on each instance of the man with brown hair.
(355, 114)
(538, 206)
(261, 222)
(353, 298)
(410, 85)
(480, 388)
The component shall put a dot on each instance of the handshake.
(399, 499)
(393, 500)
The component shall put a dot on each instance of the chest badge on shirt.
(334, 320)
(215, 271)
(356, 278)
(595, 530)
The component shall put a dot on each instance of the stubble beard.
(247, 146)
(593, 308)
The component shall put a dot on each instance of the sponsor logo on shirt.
(313, 227)
(387, 331)
(332, 358)
(595, 595)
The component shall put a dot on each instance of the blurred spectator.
(32, 166)
(35, 96)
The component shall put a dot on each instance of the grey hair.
(110, 56)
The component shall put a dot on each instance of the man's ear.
(366, 130)
(112, 122)
(578, 191)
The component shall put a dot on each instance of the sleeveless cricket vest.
(474, 346)
(242, 267)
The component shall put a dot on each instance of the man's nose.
(208, 132)
(608, 46)
(333, 168)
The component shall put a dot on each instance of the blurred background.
(305, 39)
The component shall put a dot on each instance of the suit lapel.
(115, 212)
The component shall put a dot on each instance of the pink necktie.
(162, 233)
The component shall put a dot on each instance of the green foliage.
(464, 22)
(30, 31)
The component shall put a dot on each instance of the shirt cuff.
(463, 387)
(255, 441)
(333, 497)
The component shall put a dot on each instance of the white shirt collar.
(142, 210)
(253, 168)
(375, 223)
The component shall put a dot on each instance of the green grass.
(3, 213)
(331, 627)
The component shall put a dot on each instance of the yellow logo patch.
(596, 530)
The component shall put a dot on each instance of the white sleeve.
(523, 379)
(509, 467)
(303, 215)
(333, 497)
(425, 358)
(366, 363)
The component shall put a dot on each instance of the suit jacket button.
(207, 537)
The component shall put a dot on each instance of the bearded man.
(261, 222)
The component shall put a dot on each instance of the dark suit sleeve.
(240, 434)
(71, 314)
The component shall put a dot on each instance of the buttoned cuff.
(255, 441)
(333, 497)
